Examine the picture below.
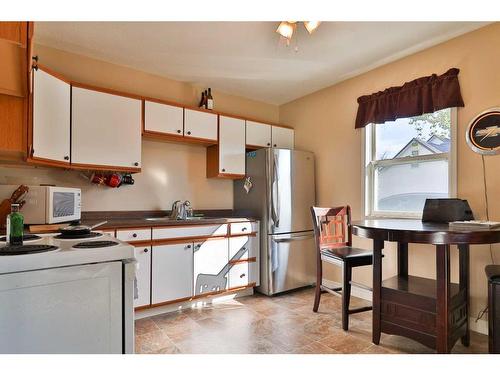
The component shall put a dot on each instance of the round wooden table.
(432, 312)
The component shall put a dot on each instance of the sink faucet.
(181, 210)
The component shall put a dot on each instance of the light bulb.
(311, 25)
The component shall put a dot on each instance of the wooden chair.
(332, 231)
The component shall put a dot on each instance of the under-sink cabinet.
(210, 266)
(184, 262)
(172, 269)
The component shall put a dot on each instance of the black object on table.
(432, 312)
(493, 275)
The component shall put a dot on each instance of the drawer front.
(190, 231)
(242, 274)
(241, 228)
(243, 247)
(134, 235)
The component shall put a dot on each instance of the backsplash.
(169, 172)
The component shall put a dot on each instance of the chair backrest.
(332, 226)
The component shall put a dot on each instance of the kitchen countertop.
(139, 223)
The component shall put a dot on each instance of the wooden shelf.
(416, 285)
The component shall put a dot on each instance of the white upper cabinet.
(163, 118)
(106, 129)
(282, 137)
(258, 134)
(231, 145)
(172, 272)
(199, 124)
(143, 256)
(51, 118)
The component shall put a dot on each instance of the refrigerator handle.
(275, 208)
(294, 238)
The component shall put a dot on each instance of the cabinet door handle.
(274, 145)
(188, 247)
(134, 235)
(66, 157)
(223, 169)
(243, 229)
(136, 164)
(188, 133)
(268, 144)
(179, 131)
(242, 276)
(146, 250)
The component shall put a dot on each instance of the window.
(407, 161)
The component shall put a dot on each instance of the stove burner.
(26, 249)
(94, 244)
(26, 237)
(78, 236)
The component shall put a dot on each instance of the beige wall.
(324, 123)
(170, 171)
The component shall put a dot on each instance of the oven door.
(63, 204)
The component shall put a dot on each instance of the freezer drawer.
(290, 262)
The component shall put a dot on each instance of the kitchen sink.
(167, 218)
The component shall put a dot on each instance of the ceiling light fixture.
(287, 28)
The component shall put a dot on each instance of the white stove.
(75, 298)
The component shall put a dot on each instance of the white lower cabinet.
(143, 257)
(210, 266)
(172, 272)
(243, 274)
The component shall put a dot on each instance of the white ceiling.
(247, 58)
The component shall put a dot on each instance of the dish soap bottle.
(15, 226)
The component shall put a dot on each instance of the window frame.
(368, 171)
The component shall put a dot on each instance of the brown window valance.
(414, 98)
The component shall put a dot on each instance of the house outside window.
(407, 161)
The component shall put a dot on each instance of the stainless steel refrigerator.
(281, 194)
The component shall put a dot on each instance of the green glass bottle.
(15, 226)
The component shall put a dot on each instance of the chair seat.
(347, 252)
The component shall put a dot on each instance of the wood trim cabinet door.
(210, 266)
(231, 146)
(105, 129)
(200, 125)
(51, 118)
(143, 256)
(172, 272)
(258, 134)
(163, 118)
(282, 137)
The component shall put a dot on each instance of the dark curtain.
(414, 98)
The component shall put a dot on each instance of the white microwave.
(48, 204)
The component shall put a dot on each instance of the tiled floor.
(283, 324)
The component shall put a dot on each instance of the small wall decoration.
(483, 133)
